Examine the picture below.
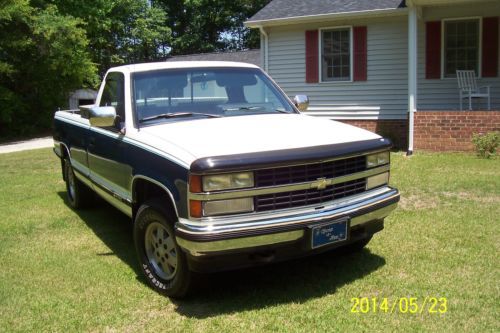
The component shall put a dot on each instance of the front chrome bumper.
(253, 230)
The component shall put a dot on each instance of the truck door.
(109, 164)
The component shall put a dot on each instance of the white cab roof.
(179, 64)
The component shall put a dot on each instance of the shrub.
(486, 144)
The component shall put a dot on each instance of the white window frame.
(480, 51)
(320, 53)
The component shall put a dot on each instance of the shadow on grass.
(113, 228)
(294, 281)
(242, 290)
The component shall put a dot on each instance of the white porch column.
(412, 72)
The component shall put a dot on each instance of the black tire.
(78, 194)
(358, 245)
(162, 261)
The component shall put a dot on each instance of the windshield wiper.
(178, 114)
(245, 108)
(283, 111)
(253, 108)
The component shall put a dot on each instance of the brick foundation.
(396, 130)
(452, 130)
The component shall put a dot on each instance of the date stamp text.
(412, 305)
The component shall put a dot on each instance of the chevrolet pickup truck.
(219, 169)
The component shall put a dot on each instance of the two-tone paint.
(113, 162)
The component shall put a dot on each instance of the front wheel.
(163, 262)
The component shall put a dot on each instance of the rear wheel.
(79, 195)
(163, 262)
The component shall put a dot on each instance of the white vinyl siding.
(383, 95)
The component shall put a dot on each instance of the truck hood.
(194, 139)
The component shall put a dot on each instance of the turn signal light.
(194, 183)
(195, 209)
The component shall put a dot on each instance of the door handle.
(92, 142)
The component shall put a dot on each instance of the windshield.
(181, 94)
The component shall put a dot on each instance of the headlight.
(374, 160)
(231, 206)
(377, 180)
(228, 181)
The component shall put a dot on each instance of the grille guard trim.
(268, 221)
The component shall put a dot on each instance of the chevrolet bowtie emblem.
(320, 184)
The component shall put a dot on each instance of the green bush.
(486, 144)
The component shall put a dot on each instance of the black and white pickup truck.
(218, 169)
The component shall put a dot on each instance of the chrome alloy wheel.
(160, 250)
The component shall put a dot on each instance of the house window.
(461, 46)
(336, 55)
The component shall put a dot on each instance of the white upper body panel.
(178, 65)
(193, 139)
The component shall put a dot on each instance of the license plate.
(329, 233)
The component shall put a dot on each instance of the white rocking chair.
(468, 88)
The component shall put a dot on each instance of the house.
(387, 65)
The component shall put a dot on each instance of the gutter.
(266, 47)
(331, 16)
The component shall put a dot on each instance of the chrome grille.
(309, 172)
(308, 197)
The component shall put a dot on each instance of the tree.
(210, 25)
(242, 37)
(43, 56)
(121, 31)
(49, 48)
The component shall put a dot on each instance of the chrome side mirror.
(99, 116)
(301, 102)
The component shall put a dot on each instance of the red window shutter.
(360, 53)
(433, 50)
(490, 47)
(312, 56)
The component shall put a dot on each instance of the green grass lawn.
(62, 270)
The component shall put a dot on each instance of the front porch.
(445, 38)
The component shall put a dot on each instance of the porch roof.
(439, 2)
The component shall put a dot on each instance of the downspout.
(266, 47)
(412, 72)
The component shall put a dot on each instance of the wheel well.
(144, 190)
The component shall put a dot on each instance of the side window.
(336, 55)
(461, 46)
(114, 94)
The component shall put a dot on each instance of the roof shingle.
(280, 9)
